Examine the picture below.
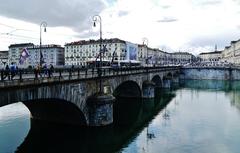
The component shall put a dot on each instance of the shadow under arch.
(128, 89)
(157, 80)
(128, 103)
(56, 110)
(176, 74)
(169, 76)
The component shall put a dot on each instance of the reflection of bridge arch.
(56, 110)
(128, 89)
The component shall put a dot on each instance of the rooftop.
(215, 52)
(45, 46)
(21, 45)
(91, 41)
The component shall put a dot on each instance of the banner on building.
(131, 51)
(24, 55)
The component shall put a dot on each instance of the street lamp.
(44, 25)
(97, 18)
(145, 42)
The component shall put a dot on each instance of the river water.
(198, 116)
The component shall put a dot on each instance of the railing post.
(86, 72)
(2, 73)
(36, 74)
(20, 75)
(9, 76)
(70, 74)
(104, 72)
(78, 73)
(49, 73)
(60, 75)
(92, 72)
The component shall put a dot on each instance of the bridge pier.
(100, 109)
(175, 80)
(148, 89)
(167, 83)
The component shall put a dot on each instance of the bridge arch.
(56, 110)
(176, 74)
(128, 89)
(157, 81)
(169, 75)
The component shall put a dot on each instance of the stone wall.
(210, 73)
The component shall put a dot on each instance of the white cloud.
(186, 24)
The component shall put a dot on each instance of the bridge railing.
(33, 76)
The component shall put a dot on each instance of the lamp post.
(145, 42)
(97, 18)
(44, 25)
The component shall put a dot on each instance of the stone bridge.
(72, 96)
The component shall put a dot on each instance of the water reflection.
(231, 88)
(131, 116)
(176, 121)
(14, 126)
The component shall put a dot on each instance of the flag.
(24, 55)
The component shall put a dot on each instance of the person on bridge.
(12, 70)
(6, 72)
(45, 70)
(37, 71)
(50, 71)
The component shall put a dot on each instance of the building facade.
(51, 54)
(3, 58)
(155, 56)
(82, 52)
(117, 50)
(231, 54)
(181, 58)
(15, 51)
(210, 56)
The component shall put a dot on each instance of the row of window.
(89, 46)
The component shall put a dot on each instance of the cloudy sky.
(187, 25)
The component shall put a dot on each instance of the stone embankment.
(210, 73)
